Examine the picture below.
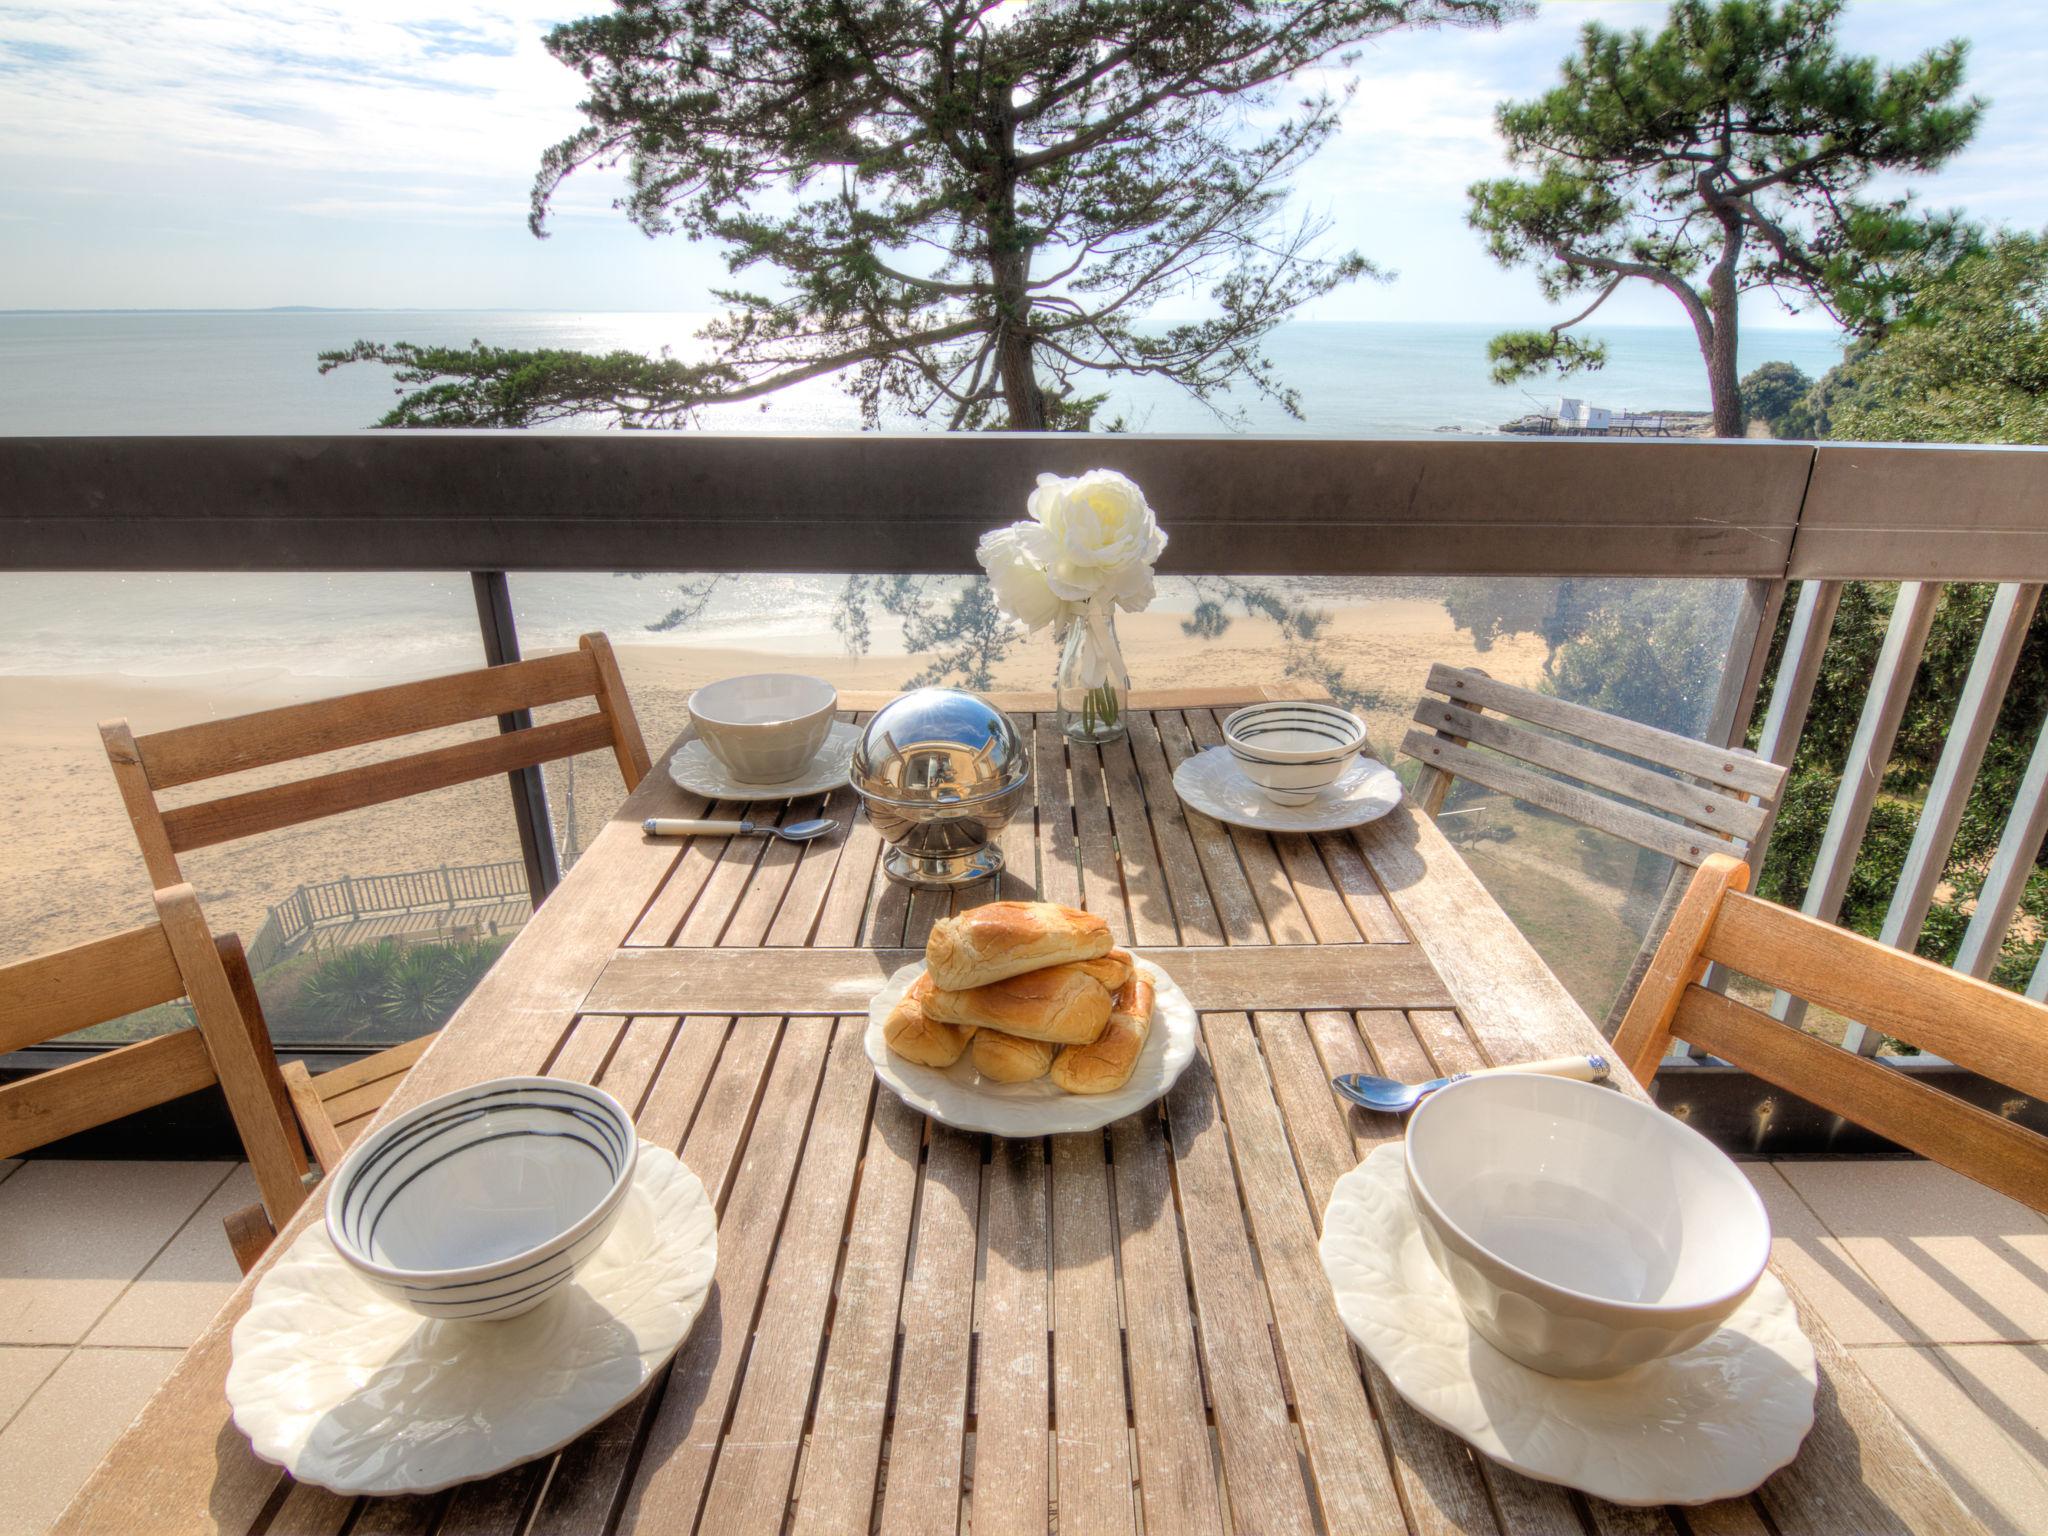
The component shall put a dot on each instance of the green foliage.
(1969, 364)
(963, 212)
(386, 985)
(1775, 394)
(1517, 355)
(1726, 152)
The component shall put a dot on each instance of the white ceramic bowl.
(479, 1204)
(767, 726)
(1584, 1232)
(1293, 752)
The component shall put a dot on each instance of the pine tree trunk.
(1724, 382)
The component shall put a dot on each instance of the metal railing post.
(529, 793)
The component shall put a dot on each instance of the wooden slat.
(926, 1443)
(1176, 1476)
(216, 747)
(1726, 766)
(1645, 1032)
(617, 706)
(1012, 1375)
(837, 1492)
(1971, 1022)
(1059, 852)
(1348, 1464)
(1237, 909)
(750, 1488)
(682, 1442)
(842, 980)
(1102, 883)
(275, 1155)
(1137, 854)
(1988, 1148)
(1263, 872)
(590, 1477)
(1328, 913)
(1660, 791)
(1441, 1487)
(350, 789)
(1093, 1451)
(1673, 839)
(1193, 909)
(394, 1062)
(40, 1109)
(698, 858)
(86, 984)
(1261, 1457)
(1363, 897)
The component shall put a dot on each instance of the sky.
(378, 153)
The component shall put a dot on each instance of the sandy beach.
(73, 872)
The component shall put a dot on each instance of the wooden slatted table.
(915, 1329)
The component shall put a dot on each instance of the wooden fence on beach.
(291, 925)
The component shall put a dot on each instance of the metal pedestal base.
(941, 872)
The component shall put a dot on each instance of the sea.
(252, 372)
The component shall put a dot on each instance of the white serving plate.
(1213, 784)
(347, 1389)
(695, 769)
(961, 1097)
(1708, 1424)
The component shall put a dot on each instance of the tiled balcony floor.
(1940, 1289)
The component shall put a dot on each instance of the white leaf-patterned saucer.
(961, 1097)
(1213, 784)
(344, 1388)
(1710, 1423)
(695, 769)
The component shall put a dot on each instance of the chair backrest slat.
(1996, 1033)
(50, 1105)
(51, 996)
(269, 736)
(1991, 1031)
(1989, 1148)
(1730, 767)
(1684, 797)
(144, 765)
(69, 989)
(1581, 805)
(350, 789)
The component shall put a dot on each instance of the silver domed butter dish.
(941, 771)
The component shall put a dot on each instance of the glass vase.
(1092, 684)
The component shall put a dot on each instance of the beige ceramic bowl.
(1584, 1232)
(767, 726)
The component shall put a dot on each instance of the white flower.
(1020, 585)
(1095, 538)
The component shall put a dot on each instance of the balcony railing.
(1764, 514)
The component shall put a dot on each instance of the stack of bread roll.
(1032, 989)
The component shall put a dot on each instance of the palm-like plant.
(348, 989)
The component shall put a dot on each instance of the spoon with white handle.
(1394, 1097)
(677, 826)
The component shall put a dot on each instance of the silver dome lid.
(939, 746)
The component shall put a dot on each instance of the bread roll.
(1106, 1064)
(1008, 938)
(1112, 970)
(1062, 1004)
(1011, 1058)
(916, 1036)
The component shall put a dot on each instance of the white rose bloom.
(1095, 537)
(1020, 586)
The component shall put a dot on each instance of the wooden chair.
(1562, 757)
(333, 1107)
(1986, 1029)
(52, 995)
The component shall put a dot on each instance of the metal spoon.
(1392, 1096)
(676, 826)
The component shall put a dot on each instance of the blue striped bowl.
(480, 1204)
(1293, 751)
